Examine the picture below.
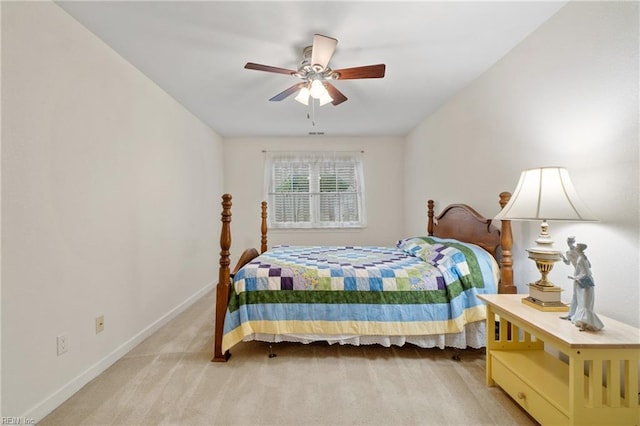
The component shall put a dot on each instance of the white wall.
(383, 159)
(567, 96)
(108, 206)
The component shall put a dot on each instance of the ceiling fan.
(316, 75)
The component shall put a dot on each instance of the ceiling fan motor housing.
(309, 72)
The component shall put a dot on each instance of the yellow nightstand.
(598, 383)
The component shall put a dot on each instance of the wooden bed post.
(224, 280)
(430, 204)
(263, 228)
(506, 260)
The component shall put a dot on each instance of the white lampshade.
(303, 96)
(545, 193)
(325, 98)
(317, 89)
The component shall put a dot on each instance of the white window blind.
(315, 189)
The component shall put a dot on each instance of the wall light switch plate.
(63, 343)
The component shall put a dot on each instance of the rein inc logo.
(17, 421)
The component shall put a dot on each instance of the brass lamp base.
(545, 298)
(544, 262)
(545, 306)
(543, 294)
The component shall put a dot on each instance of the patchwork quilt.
(423, 286)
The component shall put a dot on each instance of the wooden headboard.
(463, 223)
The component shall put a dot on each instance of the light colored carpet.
(169, 380)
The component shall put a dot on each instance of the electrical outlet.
(100, 324)
(63, 343)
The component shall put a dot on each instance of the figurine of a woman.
(584, 316)
(570, 258)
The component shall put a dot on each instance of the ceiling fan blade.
(369, 71)
(322, 50)
(288, 92)
(335, 94)
(267, 68)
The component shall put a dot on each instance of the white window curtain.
(314, 189)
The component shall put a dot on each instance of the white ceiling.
(196, 51)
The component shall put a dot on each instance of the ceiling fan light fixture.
(303, 96)
(325, 98)
(317, 89)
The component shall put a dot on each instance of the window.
(315, 190)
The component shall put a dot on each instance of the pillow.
(455, 259)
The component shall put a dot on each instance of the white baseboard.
(50, 403)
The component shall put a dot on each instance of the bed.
(422, 291)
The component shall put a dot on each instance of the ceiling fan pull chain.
(310, 115)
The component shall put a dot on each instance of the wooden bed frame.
(458, 221)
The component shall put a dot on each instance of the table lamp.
(545, 194)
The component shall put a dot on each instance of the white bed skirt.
(474, 336)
